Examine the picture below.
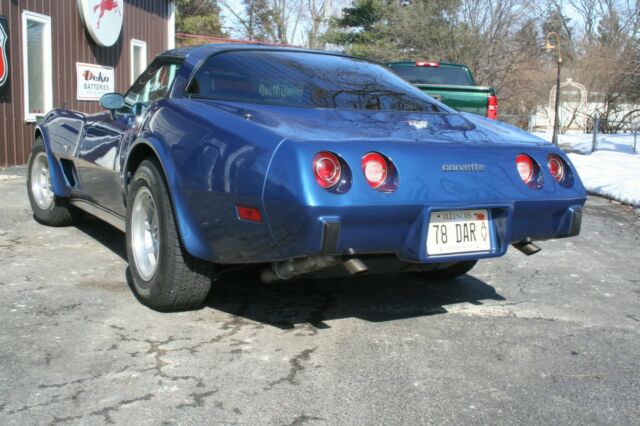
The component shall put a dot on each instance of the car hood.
(333, 124)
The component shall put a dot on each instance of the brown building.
(66, 53)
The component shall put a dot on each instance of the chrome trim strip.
(101, 213)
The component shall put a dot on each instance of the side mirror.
(112, 101)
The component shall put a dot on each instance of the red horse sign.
(106, 6)
(103, 19)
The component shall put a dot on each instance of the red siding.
(144, 20)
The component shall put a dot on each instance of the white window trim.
(171, 26)
(46, 68)
(137, 43)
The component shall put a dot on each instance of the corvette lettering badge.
(469, 167)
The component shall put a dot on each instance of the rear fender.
(192, 241)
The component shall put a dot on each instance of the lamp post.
(549, 47)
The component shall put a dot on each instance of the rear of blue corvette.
(423, 203)
(306, 164)
(361, 164)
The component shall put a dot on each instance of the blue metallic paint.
(218, 154)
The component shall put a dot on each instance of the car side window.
(153, 84)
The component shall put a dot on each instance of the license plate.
(459, 231)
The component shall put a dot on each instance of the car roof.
(209, 49)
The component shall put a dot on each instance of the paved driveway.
(549, 338)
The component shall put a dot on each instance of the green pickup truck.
(451, 84)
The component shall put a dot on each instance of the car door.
(97, 161)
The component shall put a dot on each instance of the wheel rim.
(145, 237)
(41, 182)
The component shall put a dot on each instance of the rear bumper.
(402, 230)
(295, 229)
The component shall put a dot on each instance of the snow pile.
(613, 174)
(612, 171)
(582, 142)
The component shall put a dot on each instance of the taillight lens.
(326, 168)
(375, 169)
(492, 107)
(556, 167)
(524, 163)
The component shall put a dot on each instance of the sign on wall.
(4, 59)
(103, 19)
(94, 81)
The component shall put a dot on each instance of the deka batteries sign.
(94, 81)
(103, 19)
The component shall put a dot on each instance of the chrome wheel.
(41, 181)
(145, 238)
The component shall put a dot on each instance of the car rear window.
(453, 76)
(306, 79)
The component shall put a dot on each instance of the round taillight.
(375, 169)
(524, 163)
(556, 167)
(326, 168)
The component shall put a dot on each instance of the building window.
(138, 58)
(36, 54)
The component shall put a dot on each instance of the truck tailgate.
(471, 99)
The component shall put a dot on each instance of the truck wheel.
(452, 271)
(165, 276)
(48, 208)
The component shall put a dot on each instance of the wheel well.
(140, 153)
(38, 134)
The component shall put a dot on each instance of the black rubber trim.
(330, 232)
(576, 223)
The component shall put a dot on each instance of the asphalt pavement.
(549, 338)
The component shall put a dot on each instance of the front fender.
(58, 183)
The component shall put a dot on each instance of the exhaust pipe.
(527, 247)
(280, 271)
(355, 266)
(294, 267)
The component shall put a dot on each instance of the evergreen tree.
(200, 17)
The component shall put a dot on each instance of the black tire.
(59, 212)
(452, 271)
(179, 280)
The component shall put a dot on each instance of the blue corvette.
(301, 163)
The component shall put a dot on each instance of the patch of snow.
(614, 175)
(583, 142)
(612, 171)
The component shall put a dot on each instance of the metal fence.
(596, 126)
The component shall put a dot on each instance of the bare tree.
(272, 20)
(587, 9)
(318, 12)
